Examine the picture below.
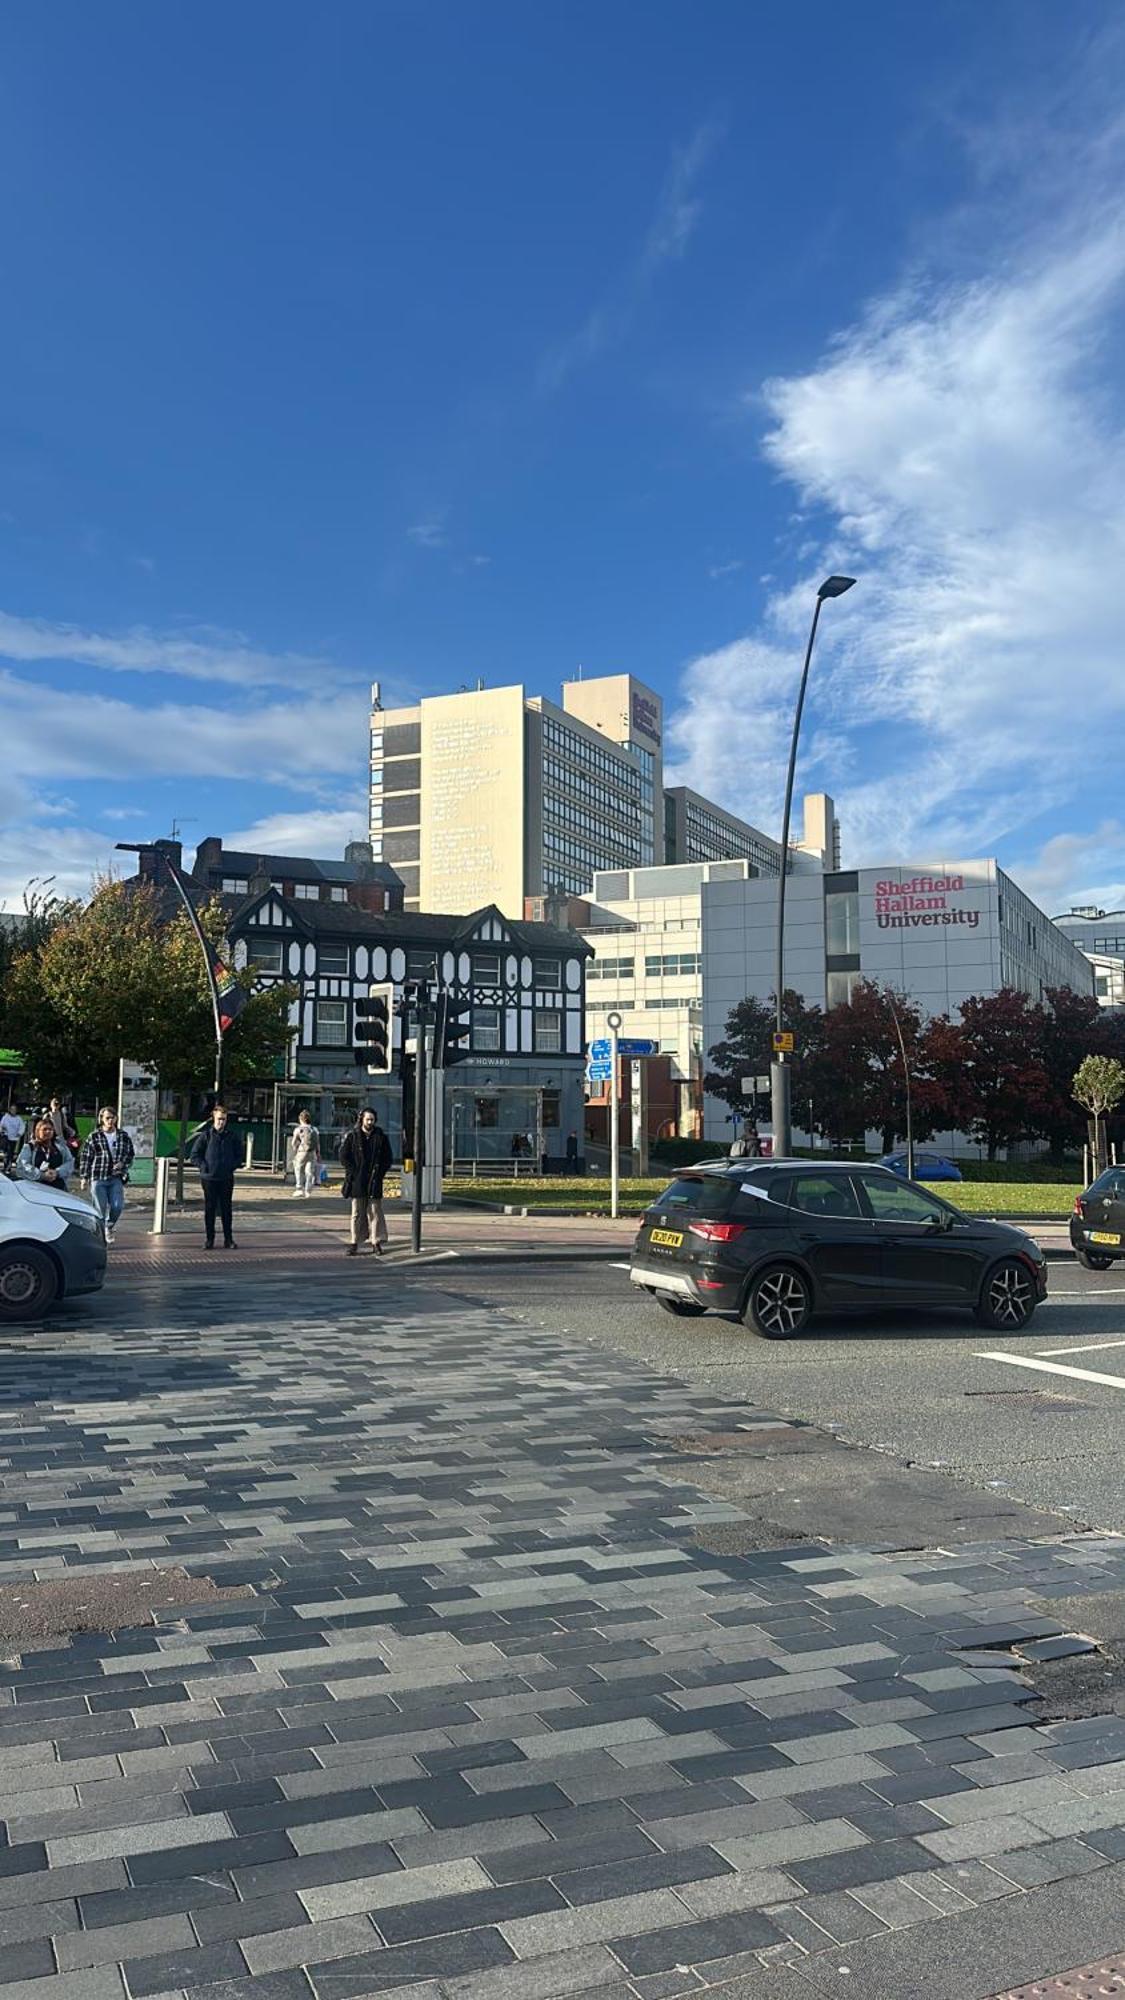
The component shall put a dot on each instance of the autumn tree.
(860, 1083)
(989, 1064)
(747, 1047)
(1072, 1026)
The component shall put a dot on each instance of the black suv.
(1097, 1227)
(779, 1240)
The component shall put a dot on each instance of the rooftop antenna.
(179, 824)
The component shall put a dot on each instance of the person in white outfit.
(305, 1155)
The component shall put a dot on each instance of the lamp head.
(835, 586)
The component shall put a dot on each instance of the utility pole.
(613, 1022)
(906, 1079)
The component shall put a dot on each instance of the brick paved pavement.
(494, 1725)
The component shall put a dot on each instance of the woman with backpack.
(304, 1155)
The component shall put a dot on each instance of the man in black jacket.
(365, 1155)
(217, 1153)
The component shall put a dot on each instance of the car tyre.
(681, 1308)
(29, 1283)
(1007, 1297)
(1090, 1260)
(779, 1303)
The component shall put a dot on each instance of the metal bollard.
(249, 1151)
(160, 1196)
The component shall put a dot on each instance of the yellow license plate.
(1104, 1236)
(668, 1239)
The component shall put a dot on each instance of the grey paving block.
(839, 1916)
(102, 1982)
(157, 1836)
(752, 1889)
(724, 1824)
(896, 1903)
(376, 1892)
(120, 1941)
(308, 1944)
(559, 1930)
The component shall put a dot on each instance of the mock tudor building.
(523, 982)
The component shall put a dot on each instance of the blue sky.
(422, 342)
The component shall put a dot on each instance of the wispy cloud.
(77, 735)
(429, 534)
(961, 449)
(324, 833)
(202, 655)
(718, 570)
(674, 221)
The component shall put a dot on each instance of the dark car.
(927, 1167)
(1097, 1227)
(779, 1240)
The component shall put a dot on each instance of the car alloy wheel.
(1008, 1300)
(779, 1303)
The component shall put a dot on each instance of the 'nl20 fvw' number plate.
(669, 1239)
(1096, 1236)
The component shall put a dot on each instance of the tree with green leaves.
(1099, 1086)
(1072, 1026)
(859, 1083)
(990, 1067)
(117, 978)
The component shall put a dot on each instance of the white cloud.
(674, 221)
(963, 449)
(428, 534)
(202, 656)
(74, 735)
(1077, 868)
(718, 570)
(323, 834)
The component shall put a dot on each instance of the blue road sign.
(600, 1047)
(598, 1072)
(626, 1046)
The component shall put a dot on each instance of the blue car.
(927, 1166)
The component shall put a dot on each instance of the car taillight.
(717, 1232)
(1079, 1208)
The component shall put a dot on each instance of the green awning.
(11, 1059)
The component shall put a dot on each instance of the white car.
(52, 1245)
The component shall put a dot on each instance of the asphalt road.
(926, 1388)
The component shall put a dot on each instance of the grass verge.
(1050, 1200)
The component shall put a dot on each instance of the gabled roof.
(410, 927)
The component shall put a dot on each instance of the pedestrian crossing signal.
(371, 1033)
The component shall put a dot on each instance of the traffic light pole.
(419, 1132)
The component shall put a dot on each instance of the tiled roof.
(412, 927)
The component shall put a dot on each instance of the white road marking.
(1055, 1368)
(1092, 1347)
(621, 1267)
(1101, 1292)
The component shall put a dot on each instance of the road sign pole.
(614, 1023)
(638, 1090)
(419, 1136)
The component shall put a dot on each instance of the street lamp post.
(906, 1081)
(833, 586)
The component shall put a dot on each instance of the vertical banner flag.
(227, 997)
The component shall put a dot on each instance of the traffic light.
(452, 1029)
(372, 1030)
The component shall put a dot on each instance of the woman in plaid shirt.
(104, 1166)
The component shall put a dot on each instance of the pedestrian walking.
(13, 1128)
(365, 1155)
(104, 1166)
(44, 1158)
(572, 1149)
(218, 1153)
(304, 1152)
(64, 1130)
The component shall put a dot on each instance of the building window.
(610, 968)
(337, 895)
(234, 885)
(332, 960)
(547, 1030)
(306, 892)
(265, 954)
(332, 1024)
(552, 1109)
(486, 969)
(841, 913)
(547, 972)
(421, 962)
(673, 964)
(486, 1027)
(840, 986)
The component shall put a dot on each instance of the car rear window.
(710, 1196)
(1111, 1184)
